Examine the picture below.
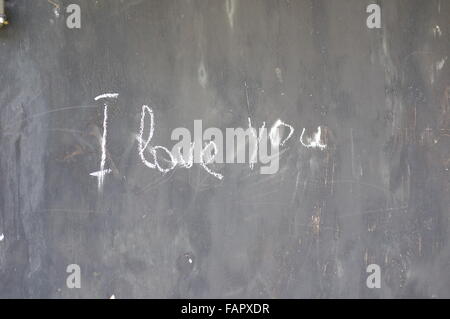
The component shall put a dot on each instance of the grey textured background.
(378, 194)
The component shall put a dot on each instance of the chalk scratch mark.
(50, 112)
(230, 6)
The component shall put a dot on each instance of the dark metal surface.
(378, 194)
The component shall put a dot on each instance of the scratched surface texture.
(379, 192)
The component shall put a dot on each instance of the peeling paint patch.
(56, 12)
(440, 64)
(279, 75)
(437, 31)
(202, 75)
